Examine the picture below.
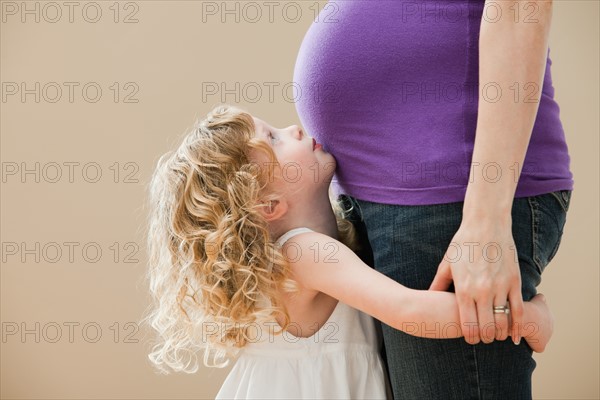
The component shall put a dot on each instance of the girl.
(251, 256)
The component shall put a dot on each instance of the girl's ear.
(274, 210)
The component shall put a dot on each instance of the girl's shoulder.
(301, 245)
(307, 250)
(304, 233)
(291, 233)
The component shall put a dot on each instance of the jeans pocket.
(563, 197)
(549, 215)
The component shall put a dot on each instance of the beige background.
(166, 56)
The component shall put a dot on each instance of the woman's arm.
(513, 47)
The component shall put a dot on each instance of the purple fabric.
(390, 89)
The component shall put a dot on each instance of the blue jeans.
(407, 243)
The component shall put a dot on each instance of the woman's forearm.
(513, 47)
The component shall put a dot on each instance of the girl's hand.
(482, 261)
(538, 333)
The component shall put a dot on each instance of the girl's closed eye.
(271, 136)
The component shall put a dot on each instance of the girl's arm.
(326, 265)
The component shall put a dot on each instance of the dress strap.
(293, 232)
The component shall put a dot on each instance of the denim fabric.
(407, 244)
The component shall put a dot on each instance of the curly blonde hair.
(212, 262)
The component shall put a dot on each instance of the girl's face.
(304, 163)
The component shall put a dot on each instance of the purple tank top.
(390, 88)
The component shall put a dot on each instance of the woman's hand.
(482, 261)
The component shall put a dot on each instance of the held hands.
(482, 261)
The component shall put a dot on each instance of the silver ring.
(502, 309)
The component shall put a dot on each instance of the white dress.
(340, 361)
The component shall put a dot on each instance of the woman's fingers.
(487, 327)
(516, 311)
(501, 319)
(468, 319)
(443, 277)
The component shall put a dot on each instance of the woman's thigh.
(408, 243)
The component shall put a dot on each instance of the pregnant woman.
(448, 140)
